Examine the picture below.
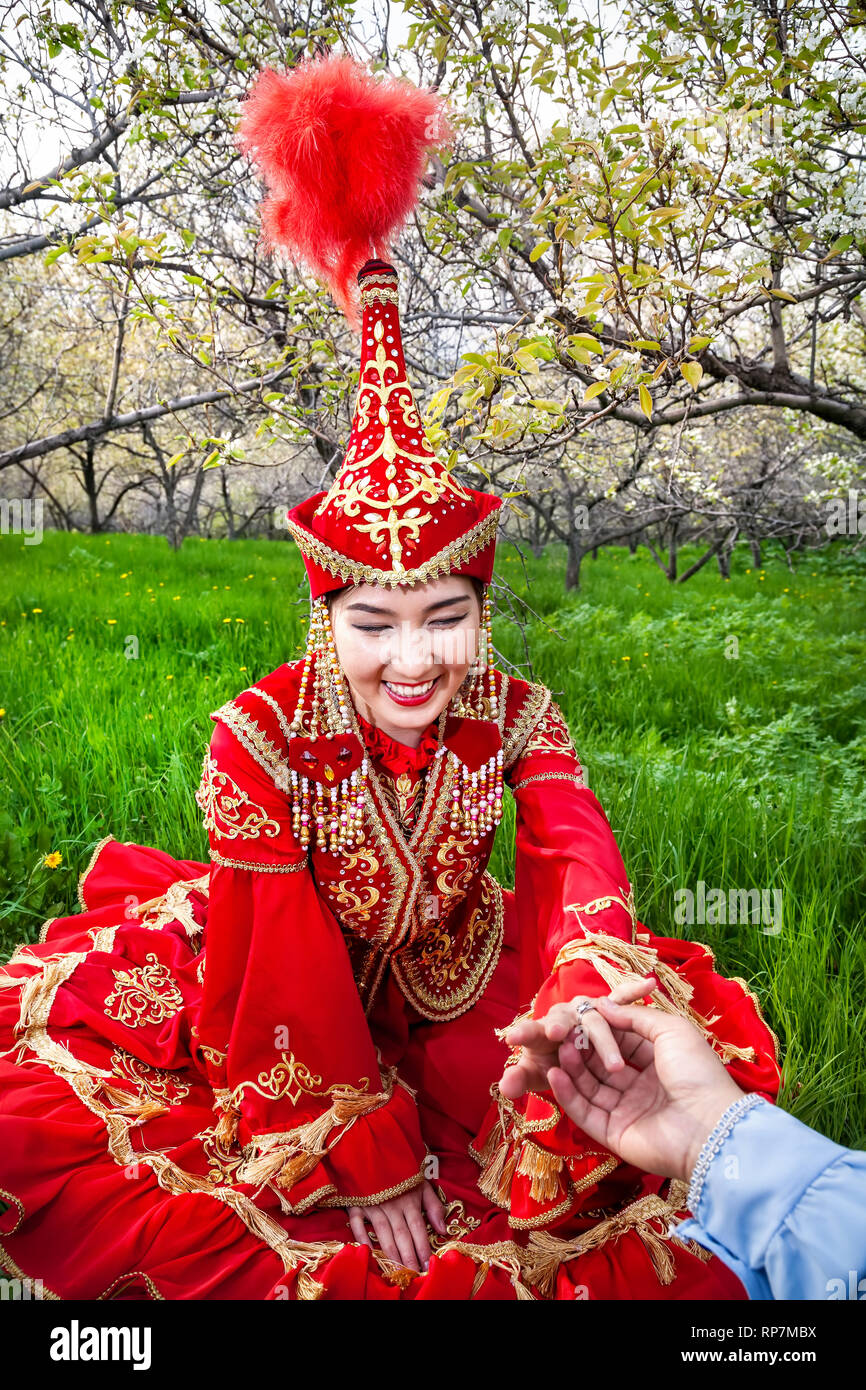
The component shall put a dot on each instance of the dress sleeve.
(297, 1080)
(580, 936)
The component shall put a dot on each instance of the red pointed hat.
(342, 154)
(394, 514)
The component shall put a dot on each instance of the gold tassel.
(545, 1252)
(543, 1168)
(495, 1181)
(308, 1288)
(226, 1128)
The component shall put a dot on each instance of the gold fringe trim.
(545, 1170)
(506, 1255)
(286, 1157)
(545, 1253)
(618, 961)
(97, 850)
(88, 1084)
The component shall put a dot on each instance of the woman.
(278, 1075)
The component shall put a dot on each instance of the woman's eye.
(448, 622)
(359, 627)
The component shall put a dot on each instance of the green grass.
(745, 771)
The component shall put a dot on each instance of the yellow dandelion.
(162, 583)
(37, 610)
(53, 860)
(226, 620)
(112, 622)
(175, 598)
(242, 668)
(169, 678)
(126, 574)
(240, 620)
(2, 713)
(148, 716)
(626, 658)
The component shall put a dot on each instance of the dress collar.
(398, 757)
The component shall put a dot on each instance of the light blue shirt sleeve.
(785, 1208)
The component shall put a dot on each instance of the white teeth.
(409, 691)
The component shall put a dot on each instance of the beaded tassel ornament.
(327, 767)
(476, 797)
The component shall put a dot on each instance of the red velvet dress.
(204, 1067)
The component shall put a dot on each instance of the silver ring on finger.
(584, 1008)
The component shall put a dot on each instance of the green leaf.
(594, 390)
(839, 245)
(646, 401)
(539, 250)
(692, 371)
(587, 342)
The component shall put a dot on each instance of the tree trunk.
(576, 553)
(756, 552)
(88, 472)
(230, 516)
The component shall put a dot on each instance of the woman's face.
(405, 651)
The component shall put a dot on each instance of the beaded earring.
(327, 767)
(476, 796)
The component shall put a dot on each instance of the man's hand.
(541, 1039)
(657, 1110)
(400, 1227)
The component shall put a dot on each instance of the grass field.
(722, 725)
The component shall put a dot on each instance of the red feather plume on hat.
(342, 154)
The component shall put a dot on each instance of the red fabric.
(342, 153)
(115, 1085)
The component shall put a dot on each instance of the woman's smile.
(417, 693)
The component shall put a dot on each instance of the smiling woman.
(243, 1066)
(405, 652)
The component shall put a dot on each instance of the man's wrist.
(715, 1141)
(711, 1111)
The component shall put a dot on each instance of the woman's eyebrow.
(389, 612)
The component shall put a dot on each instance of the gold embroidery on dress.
(223, 1164)
(173, 906)
(434, 952)
(404, 796)
(459, 869)
(532, 710)
(349, 906)
(143, 995)
(228, 811)
(287, 1079)
(256, 742)
(153, 1083)
(259, 867)
(550, 735)
(576, 777)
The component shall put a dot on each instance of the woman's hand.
(658, 1110)
(400, 1227)
(541, 1039)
